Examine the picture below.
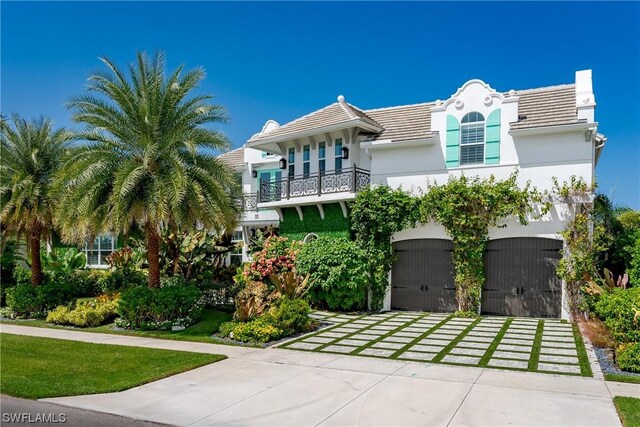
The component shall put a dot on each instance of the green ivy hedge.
(334, 223)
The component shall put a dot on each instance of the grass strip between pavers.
(419, 338)
(537, 344)
(335, 341)
(484, 360)
(388, 334)
(583, 358)
(438, 357)
(536, 347)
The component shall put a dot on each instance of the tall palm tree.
(32, 152)
(146, 161)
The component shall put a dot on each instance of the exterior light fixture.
(345, 153)
(283, 163)
(254, 173)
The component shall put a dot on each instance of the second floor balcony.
(349, 180)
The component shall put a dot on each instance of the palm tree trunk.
(34, 246)
(153, 255)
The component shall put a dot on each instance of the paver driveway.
(495, 342)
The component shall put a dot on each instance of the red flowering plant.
(277, 256)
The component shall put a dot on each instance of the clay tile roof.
(334, 114)
(234, 158)
(403, 122)
(547, 106)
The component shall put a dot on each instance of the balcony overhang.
(308, 201)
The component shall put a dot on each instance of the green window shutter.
(492, 145)
(453, 142)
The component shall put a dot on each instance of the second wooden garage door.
(521, 277)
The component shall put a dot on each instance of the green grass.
(199, 332)
(585, 365)
(622, 378)
(629, 410)
(36, 368)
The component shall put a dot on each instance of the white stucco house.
(302, 174)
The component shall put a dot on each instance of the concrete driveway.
(277, 387)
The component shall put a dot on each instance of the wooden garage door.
(521, 277)
(422, 276)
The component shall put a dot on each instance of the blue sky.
(283, 60)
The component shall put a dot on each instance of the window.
(292, 162)
(472, 139)
(322, 166)
(310, 238)
(306, 163)
(338, 155)
(267, 154)
(97, 252)
(235, 256)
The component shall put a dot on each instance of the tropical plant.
(291, 284)
(63, 260)
(600, 285)
(277, 255)
(252, 301)
(256, 243)
(147, 160)
(31, 154)
(126, 258)
(196, 255)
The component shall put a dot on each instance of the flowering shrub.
(278, 255)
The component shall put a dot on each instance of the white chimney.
(585, 99)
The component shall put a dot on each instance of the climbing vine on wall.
(467, 208)
(377, 214)
(583, 241)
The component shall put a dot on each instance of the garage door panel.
(422, 276)
(521, 277)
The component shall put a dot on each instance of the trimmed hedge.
(617, 311)
(339, 273)
(172, 304)
(334, 223)
(628, 357)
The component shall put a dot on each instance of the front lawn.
(199, 332)
(629, 410)
(36, 368)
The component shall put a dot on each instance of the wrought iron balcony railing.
(349, 180)
(248, 202)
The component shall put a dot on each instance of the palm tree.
(32, 152)
(146, 161)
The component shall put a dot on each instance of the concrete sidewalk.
(283, 387)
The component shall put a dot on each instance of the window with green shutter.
(452, 142)
(492, 151)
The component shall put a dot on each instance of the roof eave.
(540, 130)
(385, 144)
(315, 131)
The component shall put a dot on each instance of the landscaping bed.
(37, 368)
(203, 331)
